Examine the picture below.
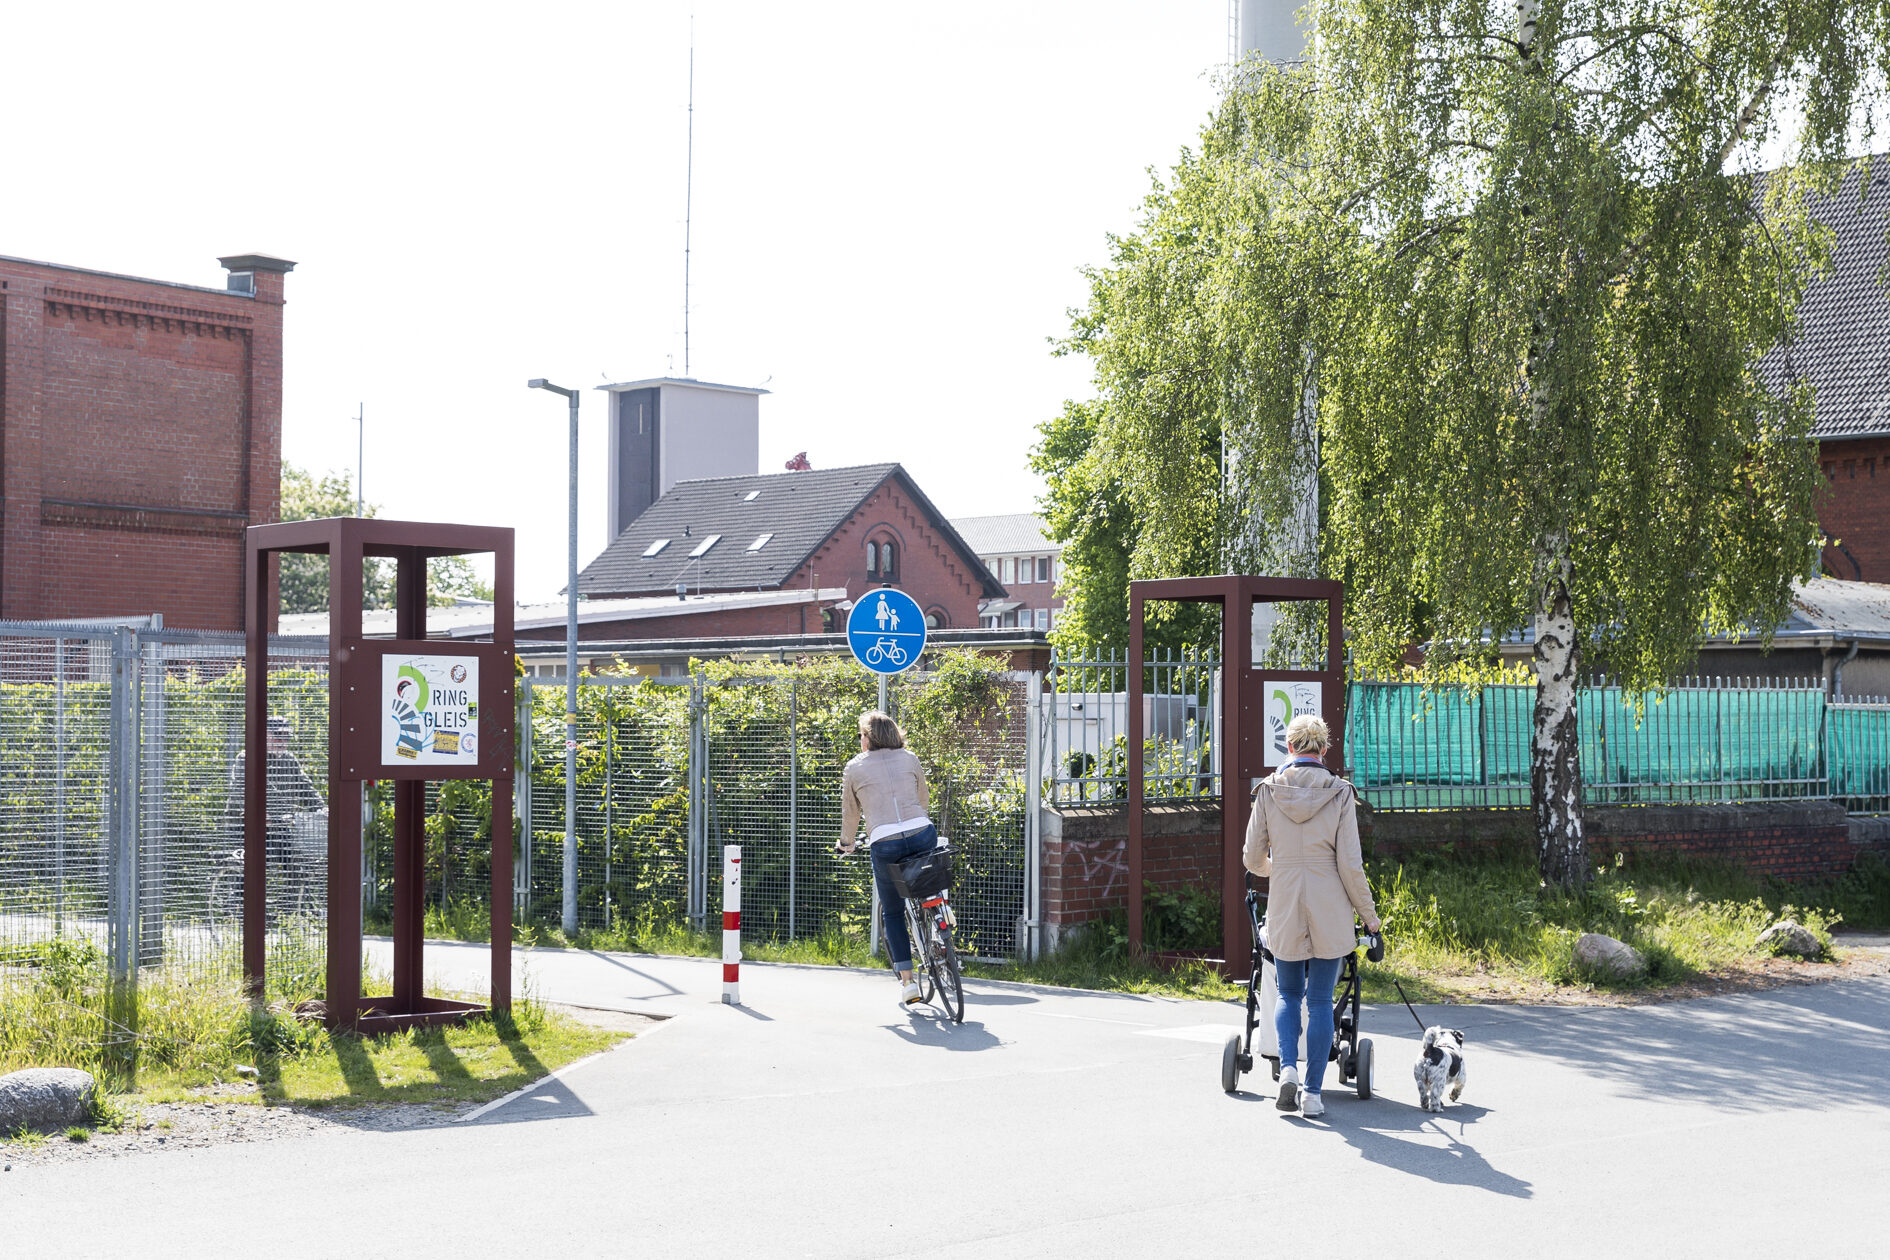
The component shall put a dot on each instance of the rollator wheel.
(1276, 1067)
(1364, 1072)
(1230, 1064)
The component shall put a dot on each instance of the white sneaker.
(909, 996)
(1289, 1090)
(1310, 1107)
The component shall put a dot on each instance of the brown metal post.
(1137, 786)
(502, 788)
(1335, 664)
(343, 988)
(1236, 665)
(410, 801)
(255, 763)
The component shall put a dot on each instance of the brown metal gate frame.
(1243, 713)
(354, 755)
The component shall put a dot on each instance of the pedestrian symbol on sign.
(886, 631)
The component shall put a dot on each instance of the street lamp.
(569, 917)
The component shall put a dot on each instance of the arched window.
(872, 558)
(888, 560)
(935, 619)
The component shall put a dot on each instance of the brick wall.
(141, 435)
(1791, 840)
(1085, 858)
(1085, 864)
(1856, 509)
(930, 569)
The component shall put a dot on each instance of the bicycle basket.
(924, 875)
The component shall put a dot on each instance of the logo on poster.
(430, 708)
(1286, 700)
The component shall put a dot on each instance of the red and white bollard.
(732, 924)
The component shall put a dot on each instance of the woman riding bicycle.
(885, 785)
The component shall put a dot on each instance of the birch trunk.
(1555, 765)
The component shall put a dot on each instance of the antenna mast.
(689, 181)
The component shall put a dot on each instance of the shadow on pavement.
(662, 988)
(1802, 1047)
(935, 1030)
(552, 1100)
(1002, 999)
(751, 1012)
(1373, 1128)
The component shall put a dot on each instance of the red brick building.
(142, 434)
(852, 528)
(1843, 353)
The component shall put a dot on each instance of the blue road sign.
(886, 631)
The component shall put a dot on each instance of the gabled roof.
(1843, 346)
(798, 510)
(1016, 533)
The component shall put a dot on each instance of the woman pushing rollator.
(1303, 837)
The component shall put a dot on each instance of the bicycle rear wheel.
(943, 959)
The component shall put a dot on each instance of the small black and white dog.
(1440, 1065)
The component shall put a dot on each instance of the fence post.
(59, 787)
(610, 787)
(522, 800)
(122, 825)
(695, 896)
(152, 765)
(794, 805)
(1034, 728)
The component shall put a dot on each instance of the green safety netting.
(1455, 747)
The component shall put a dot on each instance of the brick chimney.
(257, 275)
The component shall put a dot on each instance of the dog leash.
(1422, 1027)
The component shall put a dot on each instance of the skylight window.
(760, 542)
(751, 496)
(656, 546)
(702, 548)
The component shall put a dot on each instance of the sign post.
(886, 632)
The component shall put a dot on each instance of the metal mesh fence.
(117, 823)
(670, 772)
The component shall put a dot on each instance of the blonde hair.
(1307, 733)
(880, 731)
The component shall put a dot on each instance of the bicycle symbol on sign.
(886, 650)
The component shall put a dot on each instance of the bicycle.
(886, 649)
(924, 882)
(298, 842)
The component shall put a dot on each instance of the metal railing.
(1086, 733)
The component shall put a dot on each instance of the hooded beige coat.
(1303, 836)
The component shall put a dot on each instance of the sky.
(892, 205)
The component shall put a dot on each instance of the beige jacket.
(1303, 836)
(886, 787)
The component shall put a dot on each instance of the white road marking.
(1214, 1033)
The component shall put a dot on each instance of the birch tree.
(1523, 257)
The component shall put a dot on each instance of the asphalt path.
(820, 1119)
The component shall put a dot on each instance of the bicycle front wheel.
(943, 960)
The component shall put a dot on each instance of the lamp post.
(569, 916)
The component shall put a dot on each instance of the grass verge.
(183, 1036)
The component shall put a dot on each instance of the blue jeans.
(892, 907)
(1310, 980)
